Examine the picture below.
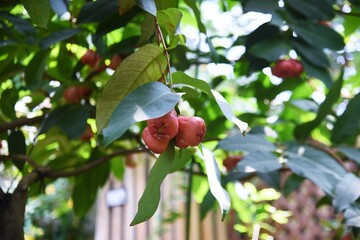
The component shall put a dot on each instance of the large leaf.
(352, 216)
(313, 54)
(213, 175)
(148, 5)
(270, 49)
(321, 73)
(149, 101)
(322, 10)
(316, 166)
(352, 153)
(182, 78)
(97, 11)
(259, 161)
(58, 37)
(263, 6)
(150, 198)
(346, 191)
(346, 125)
(194, 7)
(318, 35)
(39, 11)
(249, 143)
(35, 70)
(303, 131)
(147, 64)
(8, 107)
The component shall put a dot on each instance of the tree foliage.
(142, 62)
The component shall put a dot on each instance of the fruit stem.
(167, 55)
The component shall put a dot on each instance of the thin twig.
(19, 123)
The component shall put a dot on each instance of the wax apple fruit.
(287, 68)
(156, 145)
(91, 58)
(165, 127)
(191, 131)
(88, 133)
(231, 161)
(74, 94)
(115, 61)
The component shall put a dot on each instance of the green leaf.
(17, 145)
(249, 143)
(207, 204)
(97, 11)
(318, 35)
(149, 101)
(258, 161)
(87, 185)
(58, 36)
(351, 24)
(8, 107)
(263, 6)
(182, 157)
(150, 198)
(194, 7)
(303, 131)
(322, 10)
(60, 7)
(118, 167)
(313, 55)
(346, 124)
(292, 183)
(316, 166)
(213, 175)
(39, 11)
(352, 153)
(270, 49)
(169, 20)
(35, 70)
(347, 191)
(321, 73)
(147, 64)
(148, 5)
(182, 78)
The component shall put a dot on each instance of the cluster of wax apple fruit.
(287, 68)
(184, 131)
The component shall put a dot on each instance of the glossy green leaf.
(346, 124)
(292, 183)
(321, 73)
(97, 11)
(8, 107)
(34, 72)
(150, 198)
(313, 55)
(147, 64)
(207, 204)
(213, 175)
(318, 35)
(148, 5)
(17, 145)
(263, 6)
(352, 153)
(182, 157)
(182, 78)
(351, 24)
(39, 11)
(58, 37)
(118, 167)
(303, 131)
(346, 191)
(169, 20)
(316, 166)
(249, 143)
(194, 7)
(258, 161)
(322, 10)
(149, 101)
(270, 49)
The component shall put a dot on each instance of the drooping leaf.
(318, 35)
(182, 157)
(346, 191)
(259, 161)
(346, 124)
(39, 11)
(316, 166)
(303, 131)
(182, 78)
(58, 37)
(150, 198)
(149, 101)
(148, 5)
(322, 10)
(352, 153)
(147, 64)
(249, 143)
(97, 11)
(213, 175)
(17, 145)
(270, 49)
(194, 7)
(321, 73)
(8, 107)
(35, 70)
(207, 204)
(313, 55)
(169, 20)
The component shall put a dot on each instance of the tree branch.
(20, 122)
